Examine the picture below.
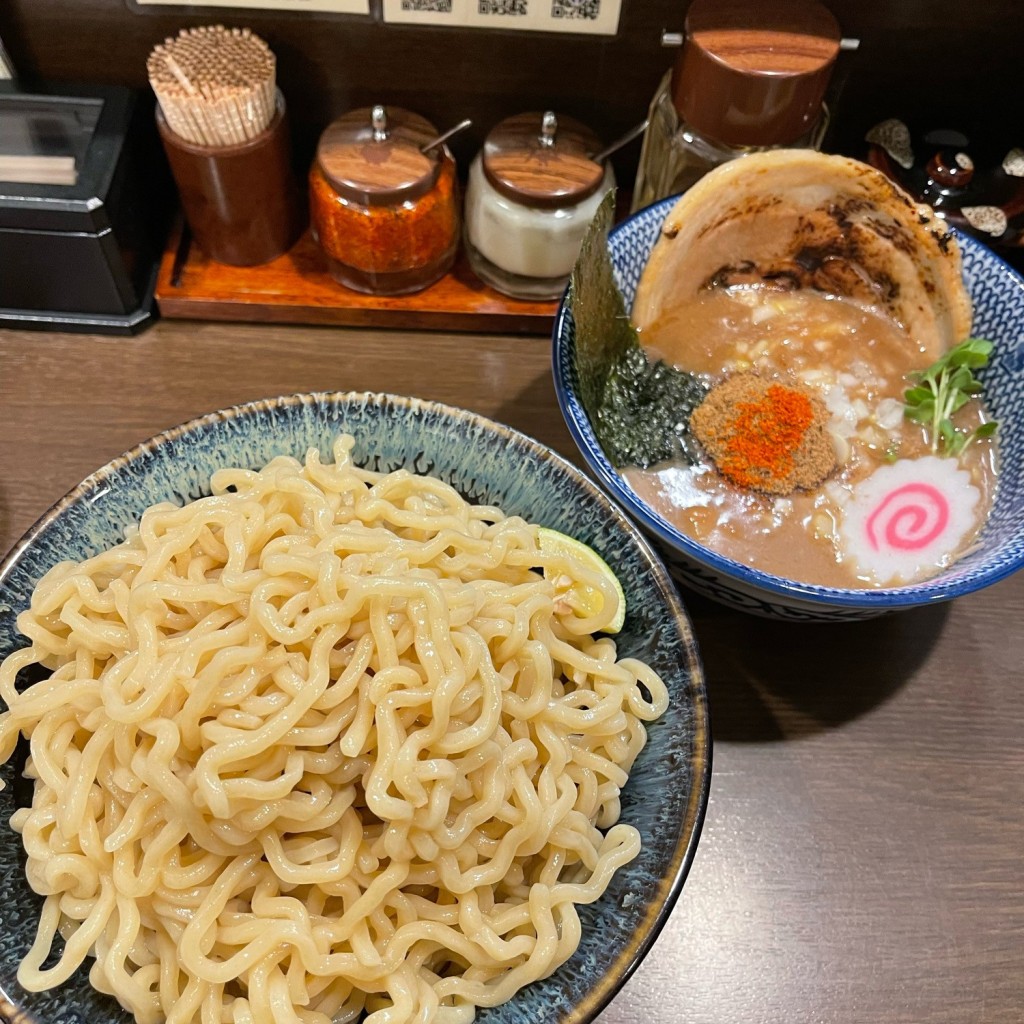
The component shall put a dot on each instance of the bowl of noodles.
(805, 388)
(325, 708)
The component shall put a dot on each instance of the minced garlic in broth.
(858, 361)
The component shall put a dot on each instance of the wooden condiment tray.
(296, 288)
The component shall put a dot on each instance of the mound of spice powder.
(764, 435)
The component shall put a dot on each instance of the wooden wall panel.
(948, 61)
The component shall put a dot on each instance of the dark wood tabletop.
(863, 854)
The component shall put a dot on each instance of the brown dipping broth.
(858, 360)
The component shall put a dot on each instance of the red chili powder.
(764, 435)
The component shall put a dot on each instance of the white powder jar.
(532, 191)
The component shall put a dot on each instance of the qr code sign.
(588, 10)
(519, 8)
(576, 17)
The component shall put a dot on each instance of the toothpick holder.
(240, 201)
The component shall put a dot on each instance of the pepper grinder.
(749, 77)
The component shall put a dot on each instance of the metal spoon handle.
(445, 136)
(622, 140)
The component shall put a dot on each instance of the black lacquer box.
(84, 199)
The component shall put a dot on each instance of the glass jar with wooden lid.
(750, 77)
(383, 202)
(532, 191)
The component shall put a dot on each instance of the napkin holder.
(84, 202)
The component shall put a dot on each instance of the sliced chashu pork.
(800, 219)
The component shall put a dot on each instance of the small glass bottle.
(750, 77)
(383, 204)
(532, 191)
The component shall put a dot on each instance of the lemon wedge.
(584, 600)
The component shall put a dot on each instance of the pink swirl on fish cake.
(909, 518)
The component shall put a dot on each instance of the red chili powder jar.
(385, 213)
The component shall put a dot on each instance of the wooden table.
(863, 856)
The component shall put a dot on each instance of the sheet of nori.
(603, 328)
(640, 410)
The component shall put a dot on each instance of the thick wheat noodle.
(324, 744)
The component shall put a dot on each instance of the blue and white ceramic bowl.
(668, 787)
(997, 292)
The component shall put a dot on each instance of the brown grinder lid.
(754, 74)
(542, 159)
(372, 155)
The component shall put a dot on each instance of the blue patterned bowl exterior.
(997, 292)
(489, 463)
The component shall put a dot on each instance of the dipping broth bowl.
(667, 791)
(997, 294)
